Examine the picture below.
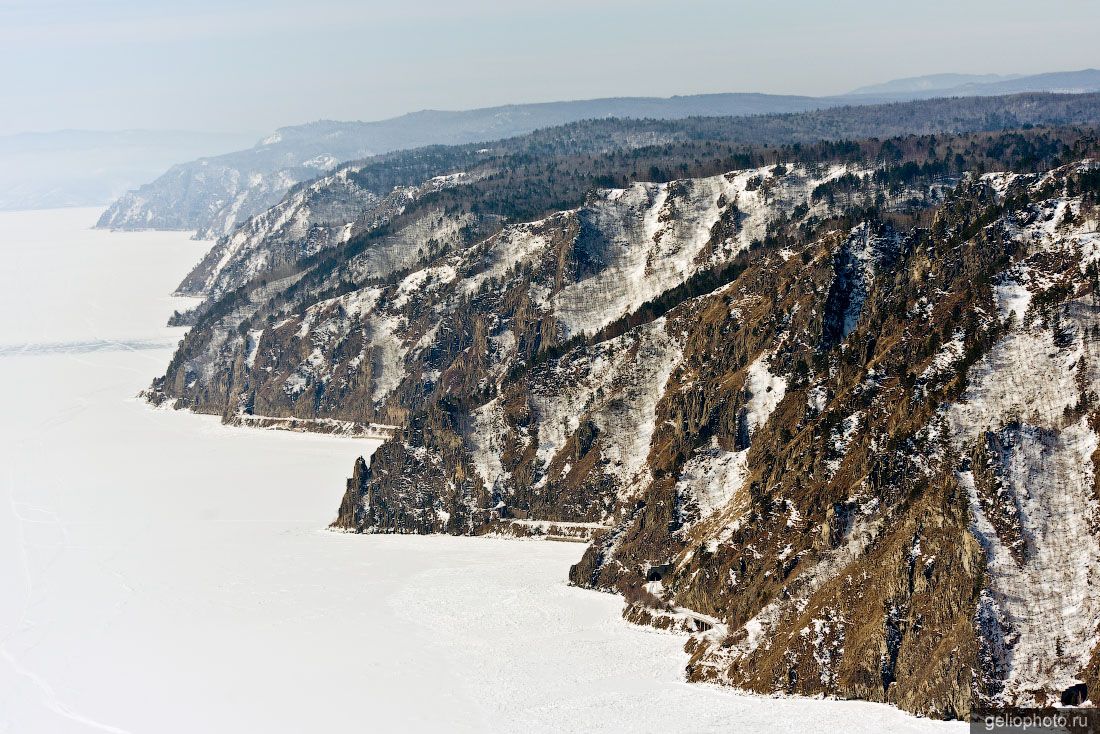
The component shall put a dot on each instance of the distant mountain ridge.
(1072, 82)
(966, 85)
(213, 195)
(932, 82)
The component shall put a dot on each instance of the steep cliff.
(834, 417)
(868, 458)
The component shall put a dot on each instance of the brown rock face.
(803, 480)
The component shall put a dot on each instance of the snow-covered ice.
(162, 573)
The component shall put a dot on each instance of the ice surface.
(162, 573)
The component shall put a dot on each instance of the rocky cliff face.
(447, 309)
(837, 427)
(866, 461)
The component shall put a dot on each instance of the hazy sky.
(244, 65)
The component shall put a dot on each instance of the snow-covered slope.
(1028, 418)
(298, 226)
(210, 196)
(313, 217)
(577, 271)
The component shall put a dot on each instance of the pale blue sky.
(242, 65)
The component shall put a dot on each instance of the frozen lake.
(162, 573)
